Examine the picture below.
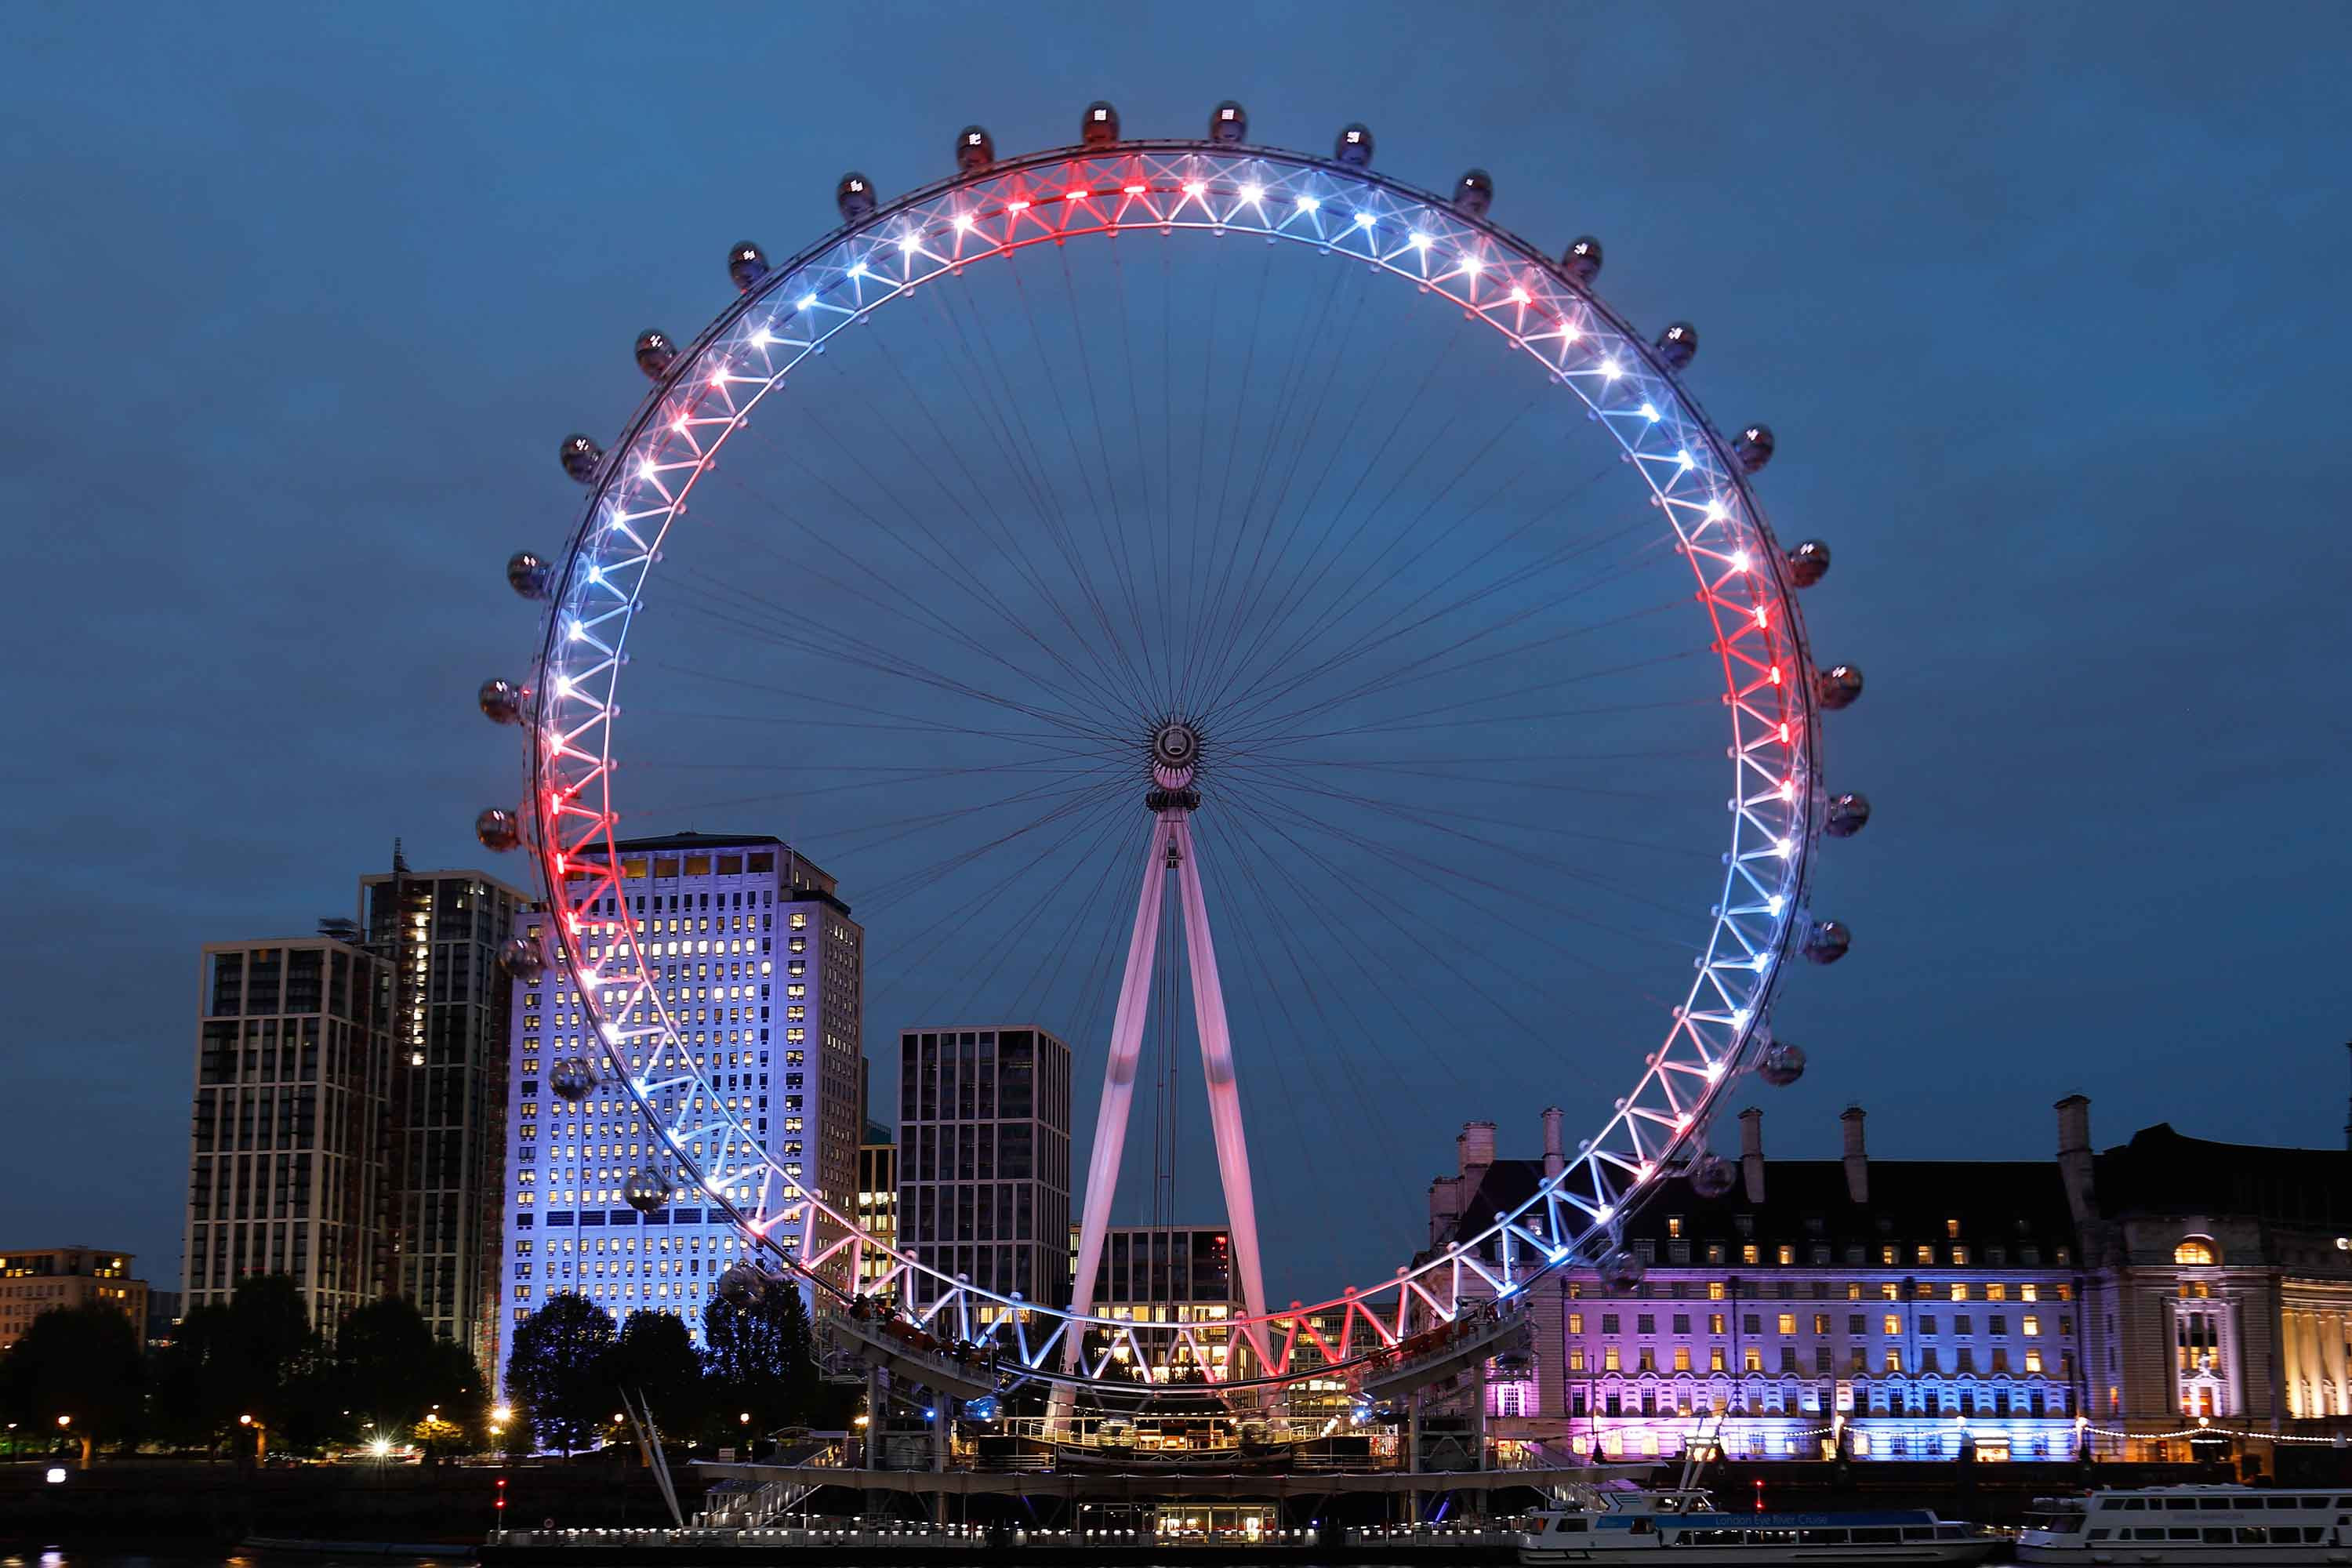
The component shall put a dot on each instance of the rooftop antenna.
(399, 861)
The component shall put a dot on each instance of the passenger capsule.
(1582, 259)
(580, 456)
(1355, 146)
(1620, 1268)
(1827, 941)
(1229, 123)
(647, 1192)
(854, 196)
(498, 829)
(573, 1079)
(1838, 686)
(975, 149)
(1678, 345)
(1712, 1176)
(1474, 193)
(1753, 448)
(523, 960)
(747, 264)
(1809, 563)
(742, 1287)
(1100, 127)
(1515, 1365)
(1783, 1064)
(529, 575)
(1849, 813)
(502, 701)
(656, 353)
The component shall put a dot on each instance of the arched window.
(2195, 1250)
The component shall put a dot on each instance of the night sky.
(2044, 306)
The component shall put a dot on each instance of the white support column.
(1119, 1075)
(1225, 1089)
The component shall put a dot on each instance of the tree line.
(258, 1362)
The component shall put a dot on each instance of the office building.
(39, 1279)
(1891, 1309)
(984, 1157)
(439, 933)
(878, 1201)
(1169, 1274)
(286, 1167)
(761, 971)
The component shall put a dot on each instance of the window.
(2197, 1251)
(1893, 1359)
(1715, 1323)
(1754, 1359)
(1576, 1323)
(1714, 1359)
(1675, 1226)
(2034, 1361)
(1924, 1254)
(1714, 1287)
(1609, 1360)
(1951, 1227)
(1959, 1257)
(1750, 1253)
(2030, 1325)
(1683, 1358)
(1892, 1324)
(1788, 1322)
(1787, 1254)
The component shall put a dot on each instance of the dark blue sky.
(2043, 305)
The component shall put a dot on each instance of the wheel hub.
(1175, 751)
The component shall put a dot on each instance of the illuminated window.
(1959, 1292)
(1575, 1358)
(1886, 1255)
(1714, 1359)
(1576, 1323)
(1998, 1293)
(1788, 1322)
(2034, 1361)
(1675, 1226)
(1608, 1362)
(1951, 1227)
(2197, 1251)
(1959, 1257)
(1893, 1359)
(1788, 1255)
(1714, 1293)
(1751, 1254)
(1715, 1322)
(1892, 1324)
(1890, 1291)
(1754, 1359)
(1926, 1254)
(1682, 1358)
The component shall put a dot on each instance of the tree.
(654, 1359)
(194, 1380)
(80, 1363)
(759, 1360)
(389, 1374)
(560, 1370)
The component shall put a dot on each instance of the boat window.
(1573, 1525)
(2144, 1534)
(1910, 1533)
(2178, 1534)
(2222, 1502)
(1821, 1537)
(2177, 1502)
(2283, 1502)
(2252, 1533)
(2133, 1503)
(2314, 1532)
(2100, 1534)
(1877, 1535)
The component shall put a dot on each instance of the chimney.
(2074, 1156)
(1751, 1153)
(1555, 1158)
(1476, 1145)
(1857, 1160)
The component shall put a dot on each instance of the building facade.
(984, 1156)
(39, 1279)
(438, 933)
(1169, 1274)
(1886, 1310)
(287, 1160)
(2221, 1287)
(877, 1203)
(762, 970)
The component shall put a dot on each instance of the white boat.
(1605, 1525)
(2218, 1525)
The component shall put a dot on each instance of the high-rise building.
(984, 1156)
(39, 1279)
(286, 1167)
(762, 970)
(878, 1201)
(439, 933)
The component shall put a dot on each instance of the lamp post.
(260, 1438)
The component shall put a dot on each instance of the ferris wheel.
(1209, 594)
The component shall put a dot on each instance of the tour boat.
(1683, 1525)
(2220, 1525)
